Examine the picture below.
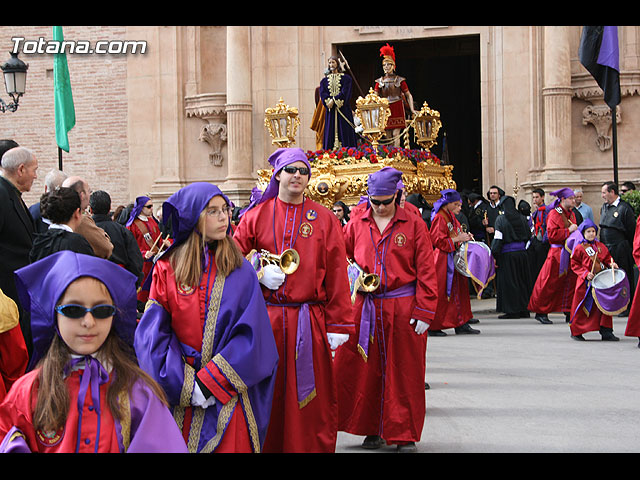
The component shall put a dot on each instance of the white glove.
(337, 339)
(273, 277)
(199, 400)
(421, 326)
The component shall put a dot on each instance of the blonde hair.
(186, 259)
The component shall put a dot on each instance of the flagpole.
(60, 159)
(614, 132)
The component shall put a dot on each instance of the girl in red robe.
(589, 258)
(86, 393)
(13, 351)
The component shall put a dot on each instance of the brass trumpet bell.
(367, 282)
(288, 261)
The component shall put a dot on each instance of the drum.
(474, 260)
(610, 290)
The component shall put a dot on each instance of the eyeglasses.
(381, 202)
(148, 206)
(624, 190)
(293, 170)
(214, 212)
(78, 311)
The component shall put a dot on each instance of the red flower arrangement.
(366, 151)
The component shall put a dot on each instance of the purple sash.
(305, 376)
(565, 258)
(513, 247)
(367, 317)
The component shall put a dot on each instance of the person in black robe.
(62, 208)
(617, 229)
(478, 217)
(126, 251)
(512, 262)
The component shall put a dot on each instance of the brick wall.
(98, 142)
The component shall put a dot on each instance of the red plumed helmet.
(386, 52)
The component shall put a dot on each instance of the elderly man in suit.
(19, 170)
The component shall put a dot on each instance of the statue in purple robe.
(335, 94)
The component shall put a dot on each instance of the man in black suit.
(19, 167)
(126, 252)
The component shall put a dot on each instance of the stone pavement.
(523, 387)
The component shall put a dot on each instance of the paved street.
(521, 386)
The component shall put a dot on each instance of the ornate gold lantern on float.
(426, 127)
(342, 174)
(373, 112)
(282, 122)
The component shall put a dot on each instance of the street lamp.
(282, 122)
(427, 126)
(15, 81)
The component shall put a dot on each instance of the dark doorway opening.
(445, 73)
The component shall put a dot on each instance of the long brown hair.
(53, 399)
(186, 259)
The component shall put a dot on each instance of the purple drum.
(610, 290)
(474, 260)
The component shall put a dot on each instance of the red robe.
(145, 246)
(633, 322)
(320, 281)
(582, 264)
(455, 310)
(14, 356)
(384, 394)
(553, 291)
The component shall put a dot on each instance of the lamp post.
(15, 81)
(373, 112)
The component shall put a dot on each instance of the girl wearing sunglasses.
(86, 392)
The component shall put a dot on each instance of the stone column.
(557, 93)
(239, 135)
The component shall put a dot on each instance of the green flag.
(63, 100)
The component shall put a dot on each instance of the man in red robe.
(147, 233)
(554, 287)
(381, 370)
(633, 322)
(454, 305)
(309, 308)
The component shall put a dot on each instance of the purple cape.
(243, 348)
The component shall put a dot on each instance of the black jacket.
(125, 248)
(55, 240)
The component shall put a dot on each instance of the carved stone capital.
(600, 117)
(210, 107)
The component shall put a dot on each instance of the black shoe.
(567, 317)
(608, 336)
(578, 337)
(624, 314)
(426, 386)
(372, 442)
(509, 315)
(525, 314)
(466, 329)
(473, 321)
(436, 333)
(409, 447)
(543, 318)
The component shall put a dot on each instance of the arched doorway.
(444, 72)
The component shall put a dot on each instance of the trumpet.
(367, 282)
(288, 261)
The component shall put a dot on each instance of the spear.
(346, 64)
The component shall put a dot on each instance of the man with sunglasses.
(381, 369)
(308, 309)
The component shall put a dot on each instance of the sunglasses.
(293, 170)
(78, 311)
(381, 202)
(148, 206)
